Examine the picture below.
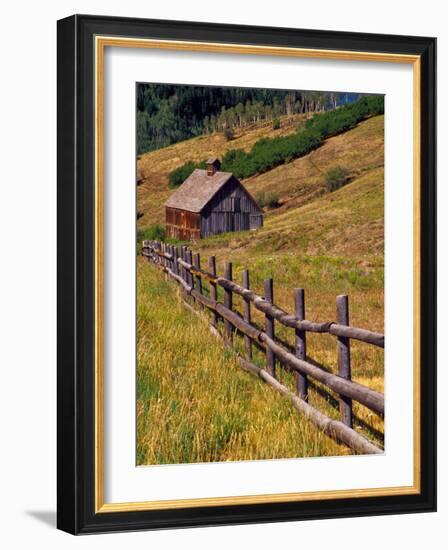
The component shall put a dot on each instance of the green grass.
(194, 404)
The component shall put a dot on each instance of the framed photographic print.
(246, 274)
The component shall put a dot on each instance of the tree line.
(169, 113)
(268, 153)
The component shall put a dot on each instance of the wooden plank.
(344, 367)
(269, 326)
(228, 301)
(182, 257)
(171, 253)
(213, 288)
(247, 314)
(333, 428)
(175, 257)
(189, 258)
(301, 379)
(159, 254)
(168, 256)
(292, 321)
(197, 265)
(364, 395)
(289, 320)
(185, 258)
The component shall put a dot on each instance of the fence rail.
(180, 264)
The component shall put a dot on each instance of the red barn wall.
(182, 224)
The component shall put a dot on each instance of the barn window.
(235, 204)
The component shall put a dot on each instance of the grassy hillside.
(327, 243)
(298, 182)
(194, 403)
(155, 166)
(359, 150)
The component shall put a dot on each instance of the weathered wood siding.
(181, 224)
(231, 209)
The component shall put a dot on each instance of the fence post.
(344, 368)
(165, 260)
(269, 326)
(213, 288)
(228, 300)
(197, 265)
(189, 274)
(183, 255)
(162, 258)
(175, 265)
(145, 247)
(301, 379)
(172, 257)
(246, 284)
(168, 251)
(186, 273)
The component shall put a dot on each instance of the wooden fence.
(180, 264)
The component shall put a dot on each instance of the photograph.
(260, 274)
(246, 273)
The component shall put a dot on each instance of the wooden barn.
(210, 202)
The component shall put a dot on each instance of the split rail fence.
(179, 263)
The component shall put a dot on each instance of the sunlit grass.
(194, 404)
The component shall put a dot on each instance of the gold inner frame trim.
(101, 42)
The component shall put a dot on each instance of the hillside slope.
(297, 183)
(326, 243)
(347, 222)
(359, 151)
(155, 166)
(217, 412)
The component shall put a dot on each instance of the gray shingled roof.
(197, 190)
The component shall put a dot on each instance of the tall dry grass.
(194, 404)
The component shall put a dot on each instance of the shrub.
(272, 200)
(339, 120)
(228, 134)
(275, 123)
(267, 153)
(261, 199)
(155, 232)
(268, 200)
(336, 178)
(179, 175)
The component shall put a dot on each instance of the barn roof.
(197, 190)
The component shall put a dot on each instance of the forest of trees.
(168, 113)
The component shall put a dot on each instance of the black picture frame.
(76, 301)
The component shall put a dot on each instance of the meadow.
(194, 403)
